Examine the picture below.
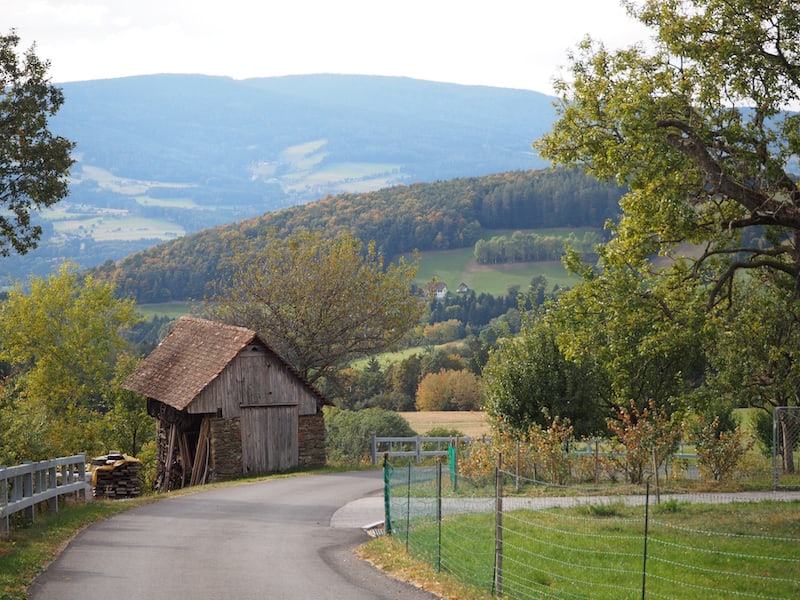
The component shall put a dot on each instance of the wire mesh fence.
(786, 446)
(595, 547)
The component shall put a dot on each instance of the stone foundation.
(226, 449)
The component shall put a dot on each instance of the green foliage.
(527, 247)
(400, 219)
(319, 302)
(349, 433)
(34, 163)
(61, 339)
(529, 380)
(126, 426)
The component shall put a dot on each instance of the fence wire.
(594, 547)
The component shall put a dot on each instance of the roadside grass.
(741, 549)
(389, 555)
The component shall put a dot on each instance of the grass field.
(471, 424)
(695, 550)
(165, 309)
(456, 266)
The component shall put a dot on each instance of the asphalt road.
(270, 540)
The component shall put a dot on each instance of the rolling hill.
(162, 156)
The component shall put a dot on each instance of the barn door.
(269, 438)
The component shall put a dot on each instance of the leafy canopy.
(319, 302)
(34, 163)
(61, 340)
(698, 130)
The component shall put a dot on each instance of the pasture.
(454, 267)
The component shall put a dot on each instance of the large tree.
(696, 125)
(529, 381)
(319, 302)
(61, 337)
(34, 163)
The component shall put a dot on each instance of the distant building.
(462, 288)
(440, 291)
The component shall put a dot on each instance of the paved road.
(266, 540)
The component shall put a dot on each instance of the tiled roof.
(190, 358)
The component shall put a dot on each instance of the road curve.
(266, 540)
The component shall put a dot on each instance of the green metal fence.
(546, 545)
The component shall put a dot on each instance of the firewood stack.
(116, 476)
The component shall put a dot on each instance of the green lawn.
(456, 266)
(749, 550)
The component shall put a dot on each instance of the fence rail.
(417, 447)
(24, 486)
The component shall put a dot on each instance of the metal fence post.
(498, 543)
(387, 478)
(408, 506)
(439, 516)
(646, 523)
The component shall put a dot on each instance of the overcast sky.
(501, 43)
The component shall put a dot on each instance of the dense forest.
(424, 216)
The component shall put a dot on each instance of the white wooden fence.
(417, 447)
(24, 486)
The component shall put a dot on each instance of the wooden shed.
(227, 404)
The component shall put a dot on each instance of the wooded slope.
(401, 219)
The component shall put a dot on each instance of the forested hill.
(423, 216)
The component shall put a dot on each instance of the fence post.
(452, 457)
(27, 491)
(646, 523)
(408, 506)
(387, 478)
(596, 461)
(498, 524)
(4, 523)
(439, 516)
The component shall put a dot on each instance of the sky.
(500, 43)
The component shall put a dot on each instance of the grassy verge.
(390, 557)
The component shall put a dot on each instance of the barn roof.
(191, 357)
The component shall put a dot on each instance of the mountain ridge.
(162, 156)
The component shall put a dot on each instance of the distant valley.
(162, 156)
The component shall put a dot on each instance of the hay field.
(472, 424)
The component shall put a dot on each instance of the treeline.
(526, 247)
(401, 219)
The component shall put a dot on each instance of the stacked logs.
(116, 476)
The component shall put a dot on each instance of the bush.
(349, 432)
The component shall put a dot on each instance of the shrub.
(349, 432)
(719, 452)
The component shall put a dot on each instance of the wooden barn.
(227, 404)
